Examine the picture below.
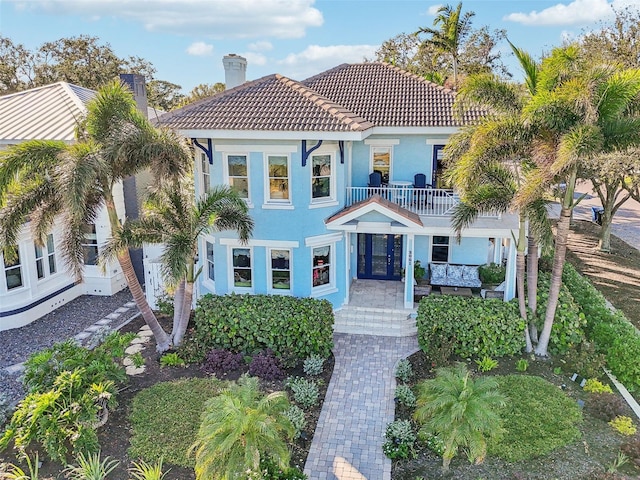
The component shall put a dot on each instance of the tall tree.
(452, 27)
(581, 109)
(17, 68)
(204, 90)
(171, 217)
(115, 141)
(164, 95)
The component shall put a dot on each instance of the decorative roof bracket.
(306, 153)
(341, 147)
(208, 151)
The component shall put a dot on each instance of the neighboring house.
(302, 155)
(38, 282)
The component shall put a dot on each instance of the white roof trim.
(373, 207)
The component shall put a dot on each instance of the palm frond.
(529, 67)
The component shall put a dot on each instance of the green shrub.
(475, 326)
(569, 323)
(147, 471)
(399, 440)
(313, 365)
(585, 360)
(171, 360)
(492, 273)
(623, 425)
(91, 467)
(594, 385)
(522, 365)
(405, 396)
(294, 328)
(404, 370)
(538, 418)
(486, 364)
(305, 392)
(611, 332)
(297, 418)
(157, 432)
(165, 304)
(70, 390)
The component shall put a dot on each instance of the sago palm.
(580, 110)
(460, 410)
(44, 182)
(239, 427)
(173, 217)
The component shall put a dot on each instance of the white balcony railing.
(423, 201)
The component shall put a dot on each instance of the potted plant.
(418, 272)
(491, 275)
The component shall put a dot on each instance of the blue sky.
(186, 39)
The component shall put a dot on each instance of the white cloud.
(577, 12)
(262, 46)
(433, 10)
(211, 18)
(254, 58)
(315, 59)
(200, 49)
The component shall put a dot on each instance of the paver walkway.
(347, 444)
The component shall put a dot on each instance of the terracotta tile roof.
(347, 98)
(389, 96)
(269, 103)
(377, 199)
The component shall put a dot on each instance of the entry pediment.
(374, 209)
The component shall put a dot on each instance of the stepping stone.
(13, 369)
(82, 336)
(139, 340)
(134, 349)
(127, 361)
(93, 328)
(145, 328)
(145, 333)
(120, 310)
(134, 370)
(113, 316)
(104, 321)
(129, 304)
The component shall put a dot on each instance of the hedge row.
(294, 328)
(608, 329)
(478, 326)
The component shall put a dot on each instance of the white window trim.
(202, 175)
(45, 258)
(333, 182)
(431, 244)
(231, 279)
(22, 255)
(268, 201)
(376, 146)
(330, 240)
(278, 291)
(225, 171)
(210, 284)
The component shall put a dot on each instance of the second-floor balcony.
(422, 201)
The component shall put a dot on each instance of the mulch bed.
(114, 436)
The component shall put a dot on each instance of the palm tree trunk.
(178, 299)
(604, 243)
(520, 262)
(562, 235)
(162, 339)
(178, 334)
(532, 283)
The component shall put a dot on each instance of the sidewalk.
(347, 444)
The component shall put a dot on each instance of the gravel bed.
(67, 321)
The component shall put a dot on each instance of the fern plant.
(91, 467)
(486, 364)
(145, 471)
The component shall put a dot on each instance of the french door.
(379, 256)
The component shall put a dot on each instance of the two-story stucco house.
(343, 176)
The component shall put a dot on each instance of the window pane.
(321, 165)
(14, 278)
(52, 263)
(240, 185)
(52, 254)
(281, 280)
(50, 245)
(440, 254)
(321, 187)
(210, 264)
(278, 167)
(321, 267)
(13, 270)
(90, 245)
(280, 273)
(242, 267)
(237, 165)
(279, 189)
(40, 268)
(280, 259)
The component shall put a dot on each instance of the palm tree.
(580, 110)
(239, 427)
(452, 28)
(460, 410)
(172, 218)
(489, 165)
(50, 181)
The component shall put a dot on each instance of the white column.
(408, 272)
(347, 267)
(510, 279)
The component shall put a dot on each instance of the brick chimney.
(235, 70)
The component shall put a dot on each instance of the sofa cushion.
(454, 273)
(470, 273)
(438, 271)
